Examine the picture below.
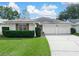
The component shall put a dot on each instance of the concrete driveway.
(63, 45)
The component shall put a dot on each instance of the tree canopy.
(8, 13)
(71, 12)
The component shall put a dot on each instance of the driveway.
(63, 45)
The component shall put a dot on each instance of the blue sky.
(37, 9)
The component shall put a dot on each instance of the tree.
(63, 16)
(71, 12)
(8, 13)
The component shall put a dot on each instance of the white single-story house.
(54, 27)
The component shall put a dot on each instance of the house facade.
(18, 24)
(53, 27)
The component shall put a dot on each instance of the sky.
(37, 9)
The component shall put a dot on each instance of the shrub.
(76, 34)
(38, 31)
(73, 30)
(9, 33)
(5, 28)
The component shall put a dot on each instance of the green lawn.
(24, 47)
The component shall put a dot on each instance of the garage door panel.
(56, 29)
(63, 29)
(49, 28)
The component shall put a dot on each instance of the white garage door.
(49, 28)
(56, 29)
(63, 29)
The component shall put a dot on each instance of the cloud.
(44, 11)
(14, 6)
(32, 9)
(49, 7)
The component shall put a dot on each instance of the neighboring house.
(48, 26)
(76, 26)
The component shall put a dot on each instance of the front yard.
(24, 47)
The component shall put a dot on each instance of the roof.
(74, 20)
(19, 21)
(49, 20)
(41, 20)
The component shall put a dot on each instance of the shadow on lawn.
(16, 38)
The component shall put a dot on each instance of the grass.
(24, 47)
(77, 34)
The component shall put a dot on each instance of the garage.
(56, 28)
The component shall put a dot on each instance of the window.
(22, 26)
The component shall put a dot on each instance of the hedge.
(76, 34)
(8, 33)
(73, 30)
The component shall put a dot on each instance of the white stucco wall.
(0, 29)
(11, 27)
(31, 26)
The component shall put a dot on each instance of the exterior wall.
(0, 29)
(47, 28)
(11, 27)
(31, 26)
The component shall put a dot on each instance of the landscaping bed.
(76, 34)
(24, 47)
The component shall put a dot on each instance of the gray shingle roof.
(74, 20)
(48, 20)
